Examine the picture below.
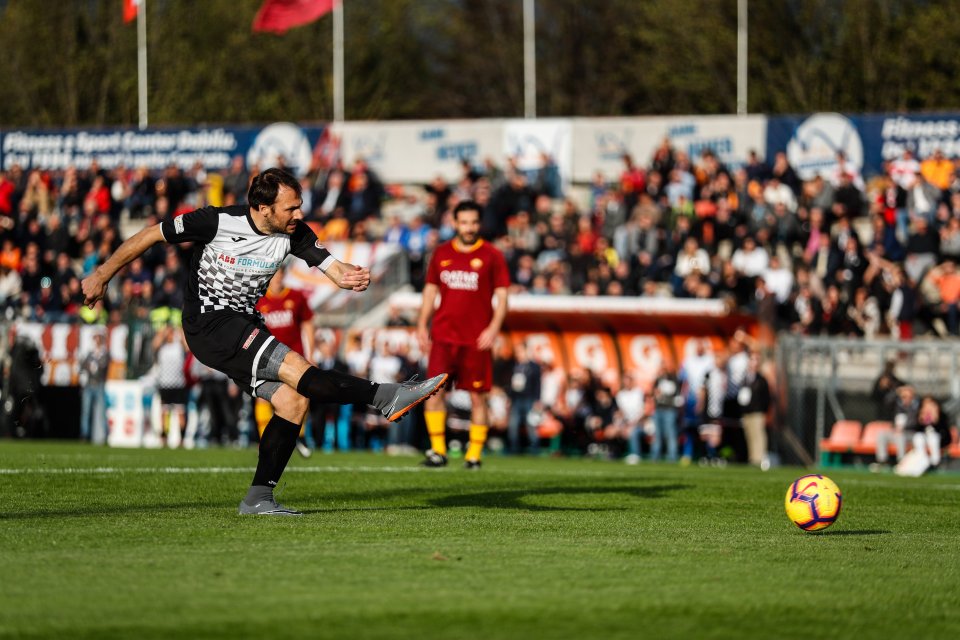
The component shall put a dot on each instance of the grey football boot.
(394, 400)
(266, 507)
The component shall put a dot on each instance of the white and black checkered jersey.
(233, 261)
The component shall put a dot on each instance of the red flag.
(279, 15)
(130, 10)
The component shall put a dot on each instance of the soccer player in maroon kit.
(466, 273)
(288, 316)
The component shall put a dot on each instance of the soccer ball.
(813, 502)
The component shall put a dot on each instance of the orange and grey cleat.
(409, 394)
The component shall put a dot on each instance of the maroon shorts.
(470, 368)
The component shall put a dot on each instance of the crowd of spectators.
(537, 406)
(832, 255)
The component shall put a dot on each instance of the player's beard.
(467, 240)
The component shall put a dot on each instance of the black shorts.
(174, 395)
(239, 345)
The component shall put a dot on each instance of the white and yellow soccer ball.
(813, 502)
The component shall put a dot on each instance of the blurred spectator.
(236, 182)
(219, 401)
(922, 198)
(37, 198)
(170, 349)
(698, 361)
(330, 422)
(524, 393)
(754, 398)
(756, 169)
(7, 188)
(845, 169)
(633, 182)
(667, 400)
(143, 193)
(885, 390)
(905, 413)
(937, 170)
(713, 395)
(334, 195)
(784, 173)
(904, 170)
(933, 430)
(22, 415)
(631, 412)
(93, 367)
(947, 281)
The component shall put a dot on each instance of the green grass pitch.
(98, 543)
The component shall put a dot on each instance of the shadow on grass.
(853, 532)
(398, 507)
(517, 499)
(513, 499)
(114, 510)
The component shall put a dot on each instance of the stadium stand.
(844, 436)
(830, 256)
(871, 431)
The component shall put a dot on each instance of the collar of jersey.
(461, 249)
(253, 225)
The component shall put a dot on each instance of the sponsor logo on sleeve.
(178, 224)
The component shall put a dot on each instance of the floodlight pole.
(529, 60)
(338, 61)
(742, 57)
(142, 62)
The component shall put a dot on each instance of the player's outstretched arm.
(349, 276)
(95, 284)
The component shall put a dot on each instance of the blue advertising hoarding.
(868, 141)
(156, 148)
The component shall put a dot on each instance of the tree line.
(75, 62)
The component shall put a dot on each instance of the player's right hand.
(423, 338)
(93, 289)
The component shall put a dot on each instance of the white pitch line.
(175, 470)
(215, 470)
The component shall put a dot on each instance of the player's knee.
(289, 404)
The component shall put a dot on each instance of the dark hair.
(266, 185)
(466, 205)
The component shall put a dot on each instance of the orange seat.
(844, 435)
(953, 450)
(868, 443)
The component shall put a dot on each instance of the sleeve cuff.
(327, 262)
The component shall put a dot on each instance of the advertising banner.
(157, 148)
(600, 143)
(868, 141)
(125, 415)
(417, 151)
(536, 143)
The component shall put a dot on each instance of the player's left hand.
(486, 339)
(353, 277)
(93, 288)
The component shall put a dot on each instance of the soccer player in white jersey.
(236, 252)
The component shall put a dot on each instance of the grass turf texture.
(531, 548)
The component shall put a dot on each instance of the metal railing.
(344, 307)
